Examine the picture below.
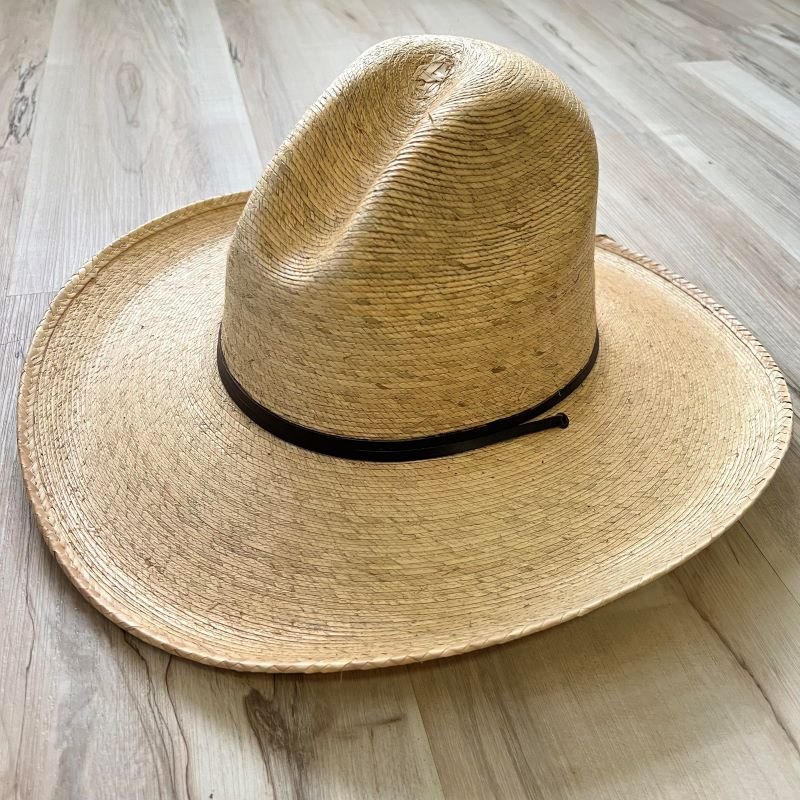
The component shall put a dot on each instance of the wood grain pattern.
(687, 688)
(139, 112)
(634, 701)
(22, 59)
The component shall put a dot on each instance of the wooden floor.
(690, 687)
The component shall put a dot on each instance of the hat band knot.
(421, 448)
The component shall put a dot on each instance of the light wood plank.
(738, 13)
(759, 621)
(685, 107)
(667, 210)
(355, 735)
(766, 106)
(17, 544)
(774, 522)
(287, 53)
(140, 113)
(773, 222)
(770, 53)
(639, 699)
(358, 735)
(22, 64)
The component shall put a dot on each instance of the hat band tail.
(421, 448)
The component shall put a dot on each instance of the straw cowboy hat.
(397, 403)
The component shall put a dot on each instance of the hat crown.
(418, 257)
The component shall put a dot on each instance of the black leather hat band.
(436, 446)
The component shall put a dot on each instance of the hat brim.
(189, 526)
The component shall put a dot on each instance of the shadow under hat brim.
(191, 527)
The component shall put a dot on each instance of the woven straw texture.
(188, 525)
(425, 239)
